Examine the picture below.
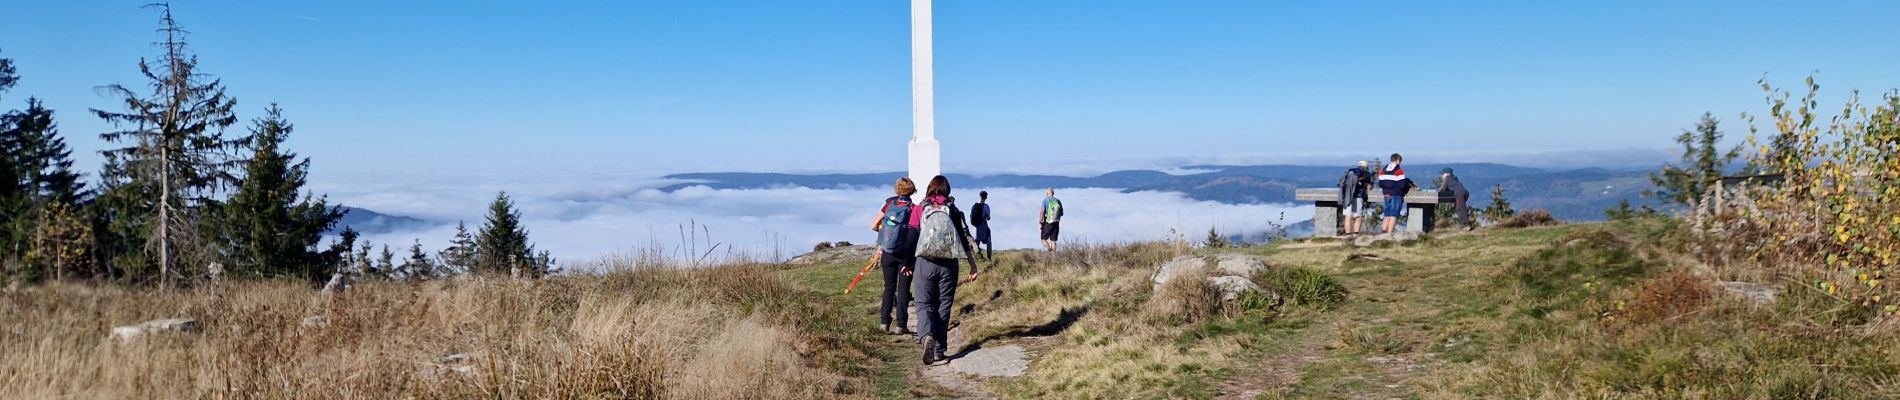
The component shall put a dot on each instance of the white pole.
(926, 158)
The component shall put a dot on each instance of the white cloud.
(582, 217)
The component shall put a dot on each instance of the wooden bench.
(1421, 209)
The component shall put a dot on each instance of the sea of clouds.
(582, 217)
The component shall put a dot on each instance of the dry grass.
(1529, 218)
(730, 332)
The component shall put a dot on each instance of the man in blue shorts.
(1394, 184)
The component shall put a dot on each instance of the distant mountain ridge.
(365, 221)
(1577, 195)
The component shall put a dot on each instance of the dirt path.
(964, 376)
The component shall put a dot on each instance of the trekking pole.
(867, 269)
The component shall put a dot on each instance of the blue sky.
(674, 86)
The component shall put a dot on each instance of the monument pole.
(926, 156)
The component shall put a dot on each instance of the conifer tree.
(460, 255)
(387, 264)
(502, 245)
(419, 266)
(1702, 163)
(175, 158)
(271, 227)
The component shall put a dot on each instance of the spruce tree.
(176, 159)
(387, 264)
(460, 255)
(271, 227)
(46, 162)
(13, 200)
(502, 245)
(419, 266)
(1702, 163)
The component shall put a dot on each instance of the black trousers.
(896, 300)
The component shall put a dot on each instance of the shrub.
(1835, 212)
(1529, 218)
(1665, 298)
(821, 246)
(1306, 287)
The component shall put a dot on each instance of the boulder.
(1231, 287)
(1238, 265)
(338, 283)
(1757, 293)
(316, 321)
(1395, 237)
(129, 333)
(837, 254)
(1176, 267)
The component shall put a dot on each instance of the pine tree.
(176, 158)
(1500, 208)
(46, 163)
(272, 229)
(460, 255)
(502, 243)
(14, 205)
(387, 264)
(366, 265)
(1702, 163)
(338, 258)
(419, 266)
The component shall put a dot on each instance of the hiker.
(940, 243)
(1460, 198)
(896, 240)
(1353, 187)
(1050, 219)
(1394, 184)
(980, 218)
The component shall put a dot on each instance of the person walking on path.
(1460, 198)
(1050, 219)
(980, 218)
(1394, 184)
(897, 239)
(940, 243)
(1353, 189)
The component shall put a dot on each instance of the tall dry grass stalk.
(726, 332)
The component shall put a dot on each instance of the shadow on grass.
(1063, 321)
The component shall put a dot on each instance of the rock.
(1176, 267)
(338, 283)
(1754, 292)
(1395, 237)
(1365, 257)
(457, 364)
(316, 321)
(129, 333)
(1238, 265)
(1003, 361)
(838, 253)
(1231, 287)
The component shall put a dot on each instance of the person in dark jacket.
(980, 218)
(894, 305)
(936, 278)
(1460, 198)
(1352, 208)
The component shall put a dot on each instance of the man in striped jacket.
(1394, 184)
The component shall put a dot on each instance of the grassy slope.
(1554, 312)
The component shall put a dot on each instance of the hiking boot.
(930, 356)
(937, 355)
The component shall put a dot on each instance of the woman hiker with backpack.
(941, 241)
(896, 241)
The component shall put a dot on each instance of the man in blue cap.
(1460, 210)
